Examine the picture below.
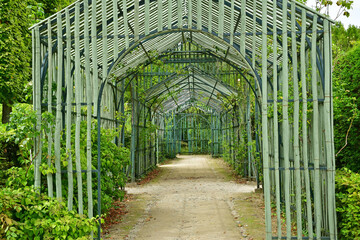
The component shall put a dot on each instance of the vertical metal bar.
(34, 77)
(144, 139)
(160, 15)
(189, 15)
(285, 106)
(316, 144)
(78, 88)
(328, 130)
(232, 22)
(50, 134)
(195, 134)
(147, 16)
(58, 108)
(328, 140)
(309, 219)
(242, 20)
(174, 134)
(104, 40)
(296, 123)
(212, 134)
(136, 20)
(276, 122)
(157, 146)
(248, 131)
(133, 130)
(180, 135)
(37, 98)
(116, 28)
(332, 127)
(253, 56)
(94, 55)
(99, 157)
(198, 16)
(125, 24)
(221, 19)
(69, 100)
(169, 9)
(189, 136)
(264, 121)
(123, 118)
(201, 137)
(210, 17)
(179, 13)
(89, 99)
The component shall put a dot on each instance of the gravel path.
(190, 200)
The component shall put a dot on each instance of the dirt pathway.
(191, 199)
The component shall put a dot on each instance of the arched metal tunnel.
(246, 80)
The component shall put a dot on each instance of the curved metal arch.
(165, 54)
(207, 121)
(200, 88)
(188, 105)
(155, 34)
(207, 75)
(319, 61)
(210, 53)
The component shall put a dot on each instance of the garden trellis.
(257, 73)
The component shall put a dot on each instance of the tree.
(16, 16)
(344, 6)
(346, 109)
(52, 6)
(15, 53)
(344, 39)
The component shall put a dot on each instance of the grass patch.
(135, 208)
(250, 208)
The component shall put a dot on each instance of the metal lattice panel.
(92, 53)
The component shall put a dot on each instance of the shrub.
(16, 139)
(348, 204)
(346, 109)
(25, 214)
(20, 133)
(114, 161)
(8, 153)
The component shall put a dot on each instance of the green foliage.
(15, 53)
(16, 16)
(8, 153)
(22, 132)
(20, 177)
(342, 6)
(344, 39)
(114, 162)
(50, 7)
(346, 109)
(25, 214)
(16, 138)
(348, 204)
(19, 134)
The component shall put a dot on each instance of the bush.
(346, 109)
(114, 161)
(19, 134)
(16, 139)
(25, 214)
(348, 204)
(8, 153)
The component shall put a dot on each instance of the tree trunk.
(6, 110)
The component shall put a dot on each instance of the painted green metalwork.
(235, 79)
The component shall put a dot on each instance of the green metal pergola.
(249, 80)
